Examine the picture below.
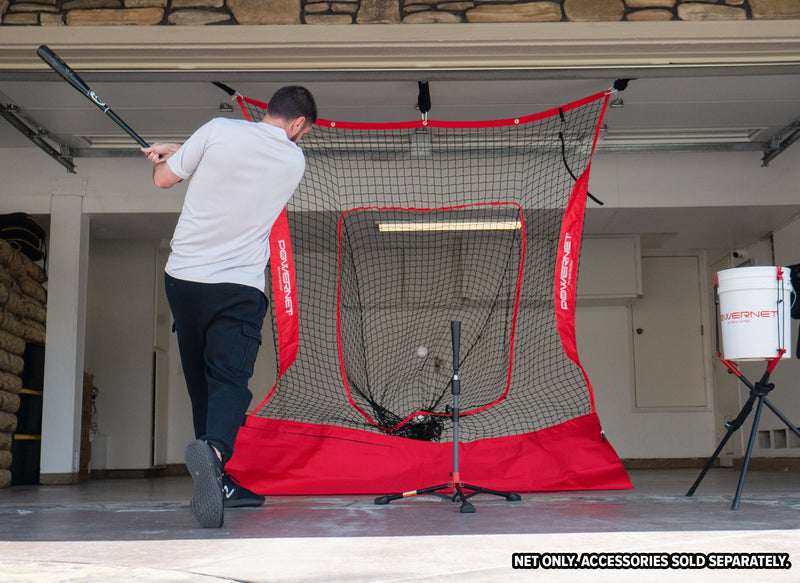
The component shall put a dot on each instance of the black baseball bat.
(71, 77)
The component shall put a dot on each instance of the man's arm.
(163, 176)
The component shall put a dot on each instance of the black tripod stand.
(455, 484)
(758, 392)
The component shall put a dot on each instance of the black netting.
(400, 289)
(399, 231)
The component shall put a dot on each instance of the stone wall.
(244, 12)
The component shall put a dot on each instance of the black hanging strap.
(424, 98)
(622, 84)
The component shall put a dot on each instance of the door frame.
(707, 337)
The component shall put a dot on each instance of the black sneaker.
(236, 496)
(206, 471)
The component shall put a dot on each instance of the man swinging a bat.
(242, 175)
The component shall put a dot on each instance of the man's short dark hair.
(291, 102)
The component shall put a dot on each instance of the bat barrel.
(60, 67)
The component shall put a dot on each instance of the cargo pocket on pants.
(251, 341)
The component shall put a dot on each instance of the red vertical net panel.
(397, 230)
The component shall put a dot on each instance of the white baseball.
(422, 352)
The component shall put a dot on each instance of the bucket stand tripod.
(758, 393)
(461, 492)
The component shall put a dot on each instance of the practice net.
(395, 231)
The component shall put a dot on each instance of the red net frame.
(537, 428)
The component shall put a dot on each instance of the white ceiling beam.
(460, 47)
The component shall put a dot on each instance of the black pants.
(219, 333)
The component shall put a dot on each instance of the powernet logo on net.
(285, 278)
(565, 272)
(651, 561)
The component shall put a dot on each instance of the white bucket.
(755, 312)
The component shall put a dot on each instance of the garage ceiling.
(724, 108)
(694, 112)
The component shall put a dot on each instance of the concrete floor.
(141, 530)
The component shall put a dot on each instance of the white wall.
(694, 179)
(622, 180)
(119, 298)
(119, 349)
(786, 376)
(180, 430)
(604, 336)
(122, 278)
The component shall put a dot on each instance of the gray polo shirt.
(242, 175)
